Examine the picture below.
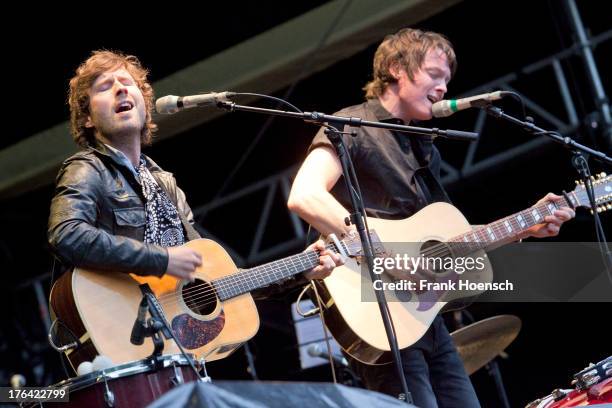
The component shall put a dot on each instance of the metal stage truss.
(277, 186)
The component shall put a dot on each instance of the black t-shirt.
(398, 172)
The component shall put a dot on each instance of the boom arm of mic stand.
(321, 119)
(358, 216)
(579, 162)
(533, 129)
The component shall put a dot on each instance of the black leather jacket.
(97, 218)
(97, 214)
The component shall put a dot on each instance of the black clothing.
(398, 172)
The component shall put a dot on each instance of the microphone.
(444, 108)
(171, 104)
(101, 362)
(17, 381)
(140, 325)
(85, 367)
(314, 350)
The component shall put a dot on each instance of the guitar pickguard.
(194, 333)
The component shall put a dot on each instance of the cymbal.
(482, 341)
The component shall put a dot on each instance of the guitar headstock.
(602, 189)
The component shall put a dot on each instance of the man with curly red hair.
(114, 208)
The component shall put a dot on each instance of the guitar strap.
(429, 185)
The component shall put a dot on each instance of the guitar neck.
(506, 229)
(483, 238)
(248, 280)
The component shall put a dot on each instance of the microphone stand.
(154, 327)
(568, 142)
(158, 324)
(250, 361)
(321, 119)
(580, 154)
(495, 373)
(358, 216)
(492, 367)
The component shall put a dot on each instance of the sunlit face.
(116, 106)
(429, 86)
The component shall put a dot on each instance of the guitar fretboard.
(263, 275)
(505, 229)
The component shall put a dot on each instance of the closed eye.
(126, 81)
(103, 86)
(437, 74)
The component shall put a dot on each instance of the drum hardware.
(61, 349)
(593, 387)
(133, 385)
(178, 376)
(479, 343)
(109, 397)
(206, 378)
(593, 374)
(558, 394)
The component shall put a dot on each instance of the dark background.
(491, 39)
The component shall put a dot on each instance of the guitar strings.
(194, 294)
(440, 248)
(202, 298)
(261, 271)
(209, 295)
(232, 281)
(289, 262)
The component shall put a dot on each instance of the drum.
(134, 384)
(593, 386)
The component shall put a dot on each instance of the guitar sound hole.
(438, 253)
(200, 297)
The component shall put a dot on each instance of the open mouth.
(432, 99)
(124, 107)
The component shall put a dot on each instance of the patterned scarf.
(163, 224)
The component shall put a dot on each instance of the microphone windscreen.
(85, 368)
(17, 381)
(167, 104)
(101, 363)
(314, 350)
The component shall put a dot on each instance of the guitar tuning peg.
(591, 211)
(600, 209)
(609, 207)
(577, 182)
(602, 174)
